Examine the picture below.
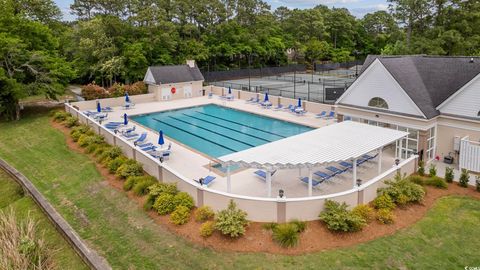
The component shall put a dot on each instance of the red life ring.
(173, 90)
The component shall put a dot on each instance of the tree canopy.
(116, 40)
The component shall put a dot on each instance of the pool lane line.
(238, 123)
(214, 132)
(213, 123)
(186, 131)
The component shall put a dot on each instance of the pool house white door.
(187, 91)
(406, 147)
(166, 93)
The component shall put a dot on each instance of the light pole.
(249, 69)
(356, 53)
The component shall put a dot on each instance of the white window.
(378, 102)
(187, 91)
(407, 146)
(166, 93)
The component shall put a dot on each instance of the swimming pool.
(216, 130)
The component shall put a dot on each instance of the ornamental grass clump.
(60, 116)
(286, 235)
(437, 182)
(70, 121)
(21, 247)
(114, 164)
(449, 175)
(231, 221)
(139, 184)
(338, 218)
(432, 171)
(421, 168)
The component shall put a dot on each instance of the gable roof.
(175, 74)
(428, 80)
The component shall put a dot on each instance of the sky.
(357, 7)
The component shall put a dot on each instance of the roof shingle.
(175, 74)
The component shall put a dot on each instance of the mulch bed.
(315, 238)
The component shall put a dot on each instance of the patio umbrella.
(229, 90)
(125, 119)
(99, 107)
(161, 141)
(127, 98)
(266, 97)
(299, 102)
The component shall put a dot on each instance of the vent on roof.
(471, 60)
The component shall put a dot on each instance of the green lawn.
(12, 197)
(448, 238)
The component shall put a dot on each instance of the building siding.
(376, 81)
(466, 102)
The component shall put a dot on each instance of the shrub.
(86, 140)
(184, 199)
(204, 213)
(114, 164)
(180, 216)
(301, 225)
(164, 204)
(464, 178)
(401, 185)
(421, 168)
(77, 131)
(102, 148)
(449, 174)
(70, 121)
(436, 182)
(383, 201)
(286, 235)
(364, 211)
(128, 184)
(93, 147)
(432, 171)
(110, 154)
(338, 218)
(231, 221)
(93, 91)
(129, 168)
(419, 180)
(402, 200)
(477, 183)
(207, 228)
(141, 187)
(385, 216)
(60, 116)
(155, 190)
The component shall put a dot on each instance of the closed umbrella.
(99, 107)
(125, 119)
(161, 141)
(127, 98)
(229, 90)
(266, 97)
(299, 102)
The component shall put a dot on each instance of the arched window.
(378, 103)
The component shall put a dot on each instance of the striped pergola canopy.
(343, 141)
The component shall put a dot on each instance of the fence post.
(308, 91)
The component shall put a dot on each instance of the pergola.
(345, 141)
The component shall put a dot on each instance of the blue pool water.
(216, 131)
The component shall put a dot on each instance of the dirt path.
(316, 237)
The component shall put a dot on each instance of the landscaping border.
(89, 256)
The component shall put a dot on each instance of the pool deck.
(194, 165)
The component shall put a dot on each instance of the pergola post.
(229, 183)
(380, 152)
(269, 183)
(355, 172)
(310, 184)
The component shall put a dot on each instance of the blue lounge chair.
(255, 101)
(368, 157)
(128, 105)
(335, 170)
(347, 118)
(350, 165)
(128, 130)
(206, 181)
(250, 100)
(266, 104)
(210, 95)
(314, 182)
(300, 111)
(321, 115)
(130, 135)
(263, 175)
(107, 109)
(159, 154)
(331, 115)
(143, 145)
(141, 139)
(149, 148)
(324, 176)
